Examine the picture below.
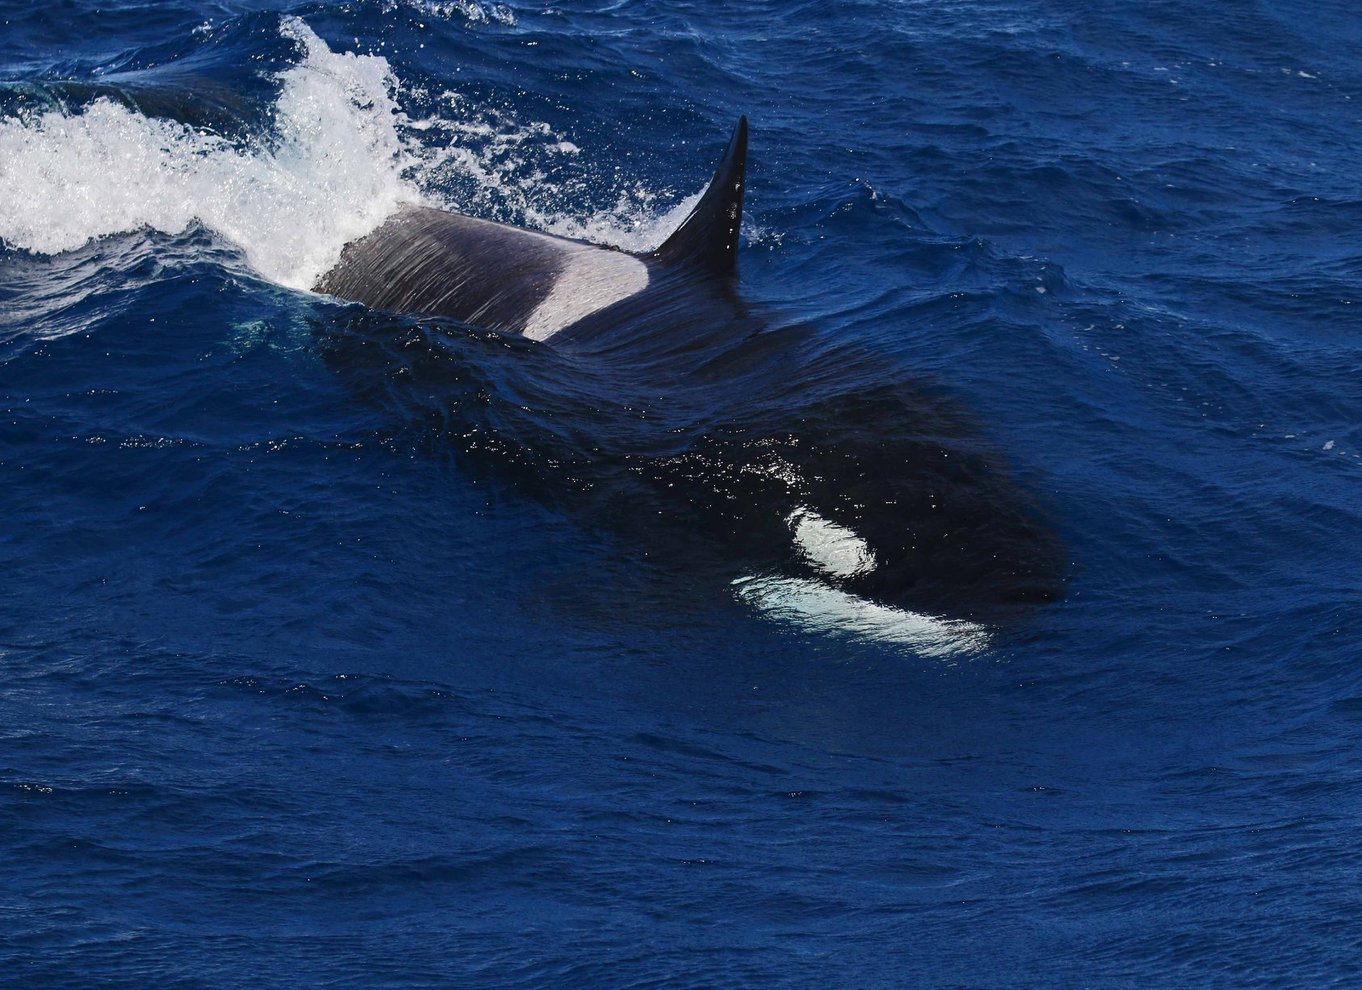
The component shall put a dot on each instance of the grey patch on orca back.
(512, 280)
(444, 264)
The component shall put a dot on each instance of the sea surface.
(294, 695)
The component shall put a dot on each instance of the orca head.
(899, 503)
(938, 530)
(876, 493)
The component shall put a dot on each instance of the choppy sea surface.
(291, 695)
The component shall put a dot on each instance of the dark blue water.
(293, 695)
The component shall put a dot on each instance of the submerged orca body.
(668, 410)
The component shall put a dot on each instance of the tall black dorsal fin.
(708, 239)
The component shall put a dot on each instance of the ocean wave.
(341, 154)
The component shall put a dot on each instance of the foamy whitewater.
(341, 156)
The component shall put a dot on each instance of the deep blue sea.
(294, 694)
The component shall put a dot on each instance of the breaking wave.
(340, 155)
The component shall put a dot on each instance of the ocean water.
(295, 693)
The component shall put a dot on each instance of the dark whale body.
(668, 410)
(538, 285)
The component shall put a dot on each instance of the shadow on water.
(757, 454)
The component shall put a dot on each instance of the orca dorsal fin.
(708, 239)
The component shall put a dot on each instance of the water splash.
(488, 162)
(332, 169)
(342, 155)
(469, 10)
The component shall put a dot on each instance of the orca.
(643, 392)
(438, 263)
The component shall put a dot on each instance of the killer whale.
(643, 393)
(504, 278)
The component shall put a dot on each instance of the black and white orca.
(524, 282)
(685, 418)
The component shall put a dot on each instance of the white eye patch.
(833, 549)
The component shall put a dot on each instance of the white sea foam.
(469, 10)
(342, 154)
(820, 607)
(511, 170)
(631, 225)
(331, 170)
